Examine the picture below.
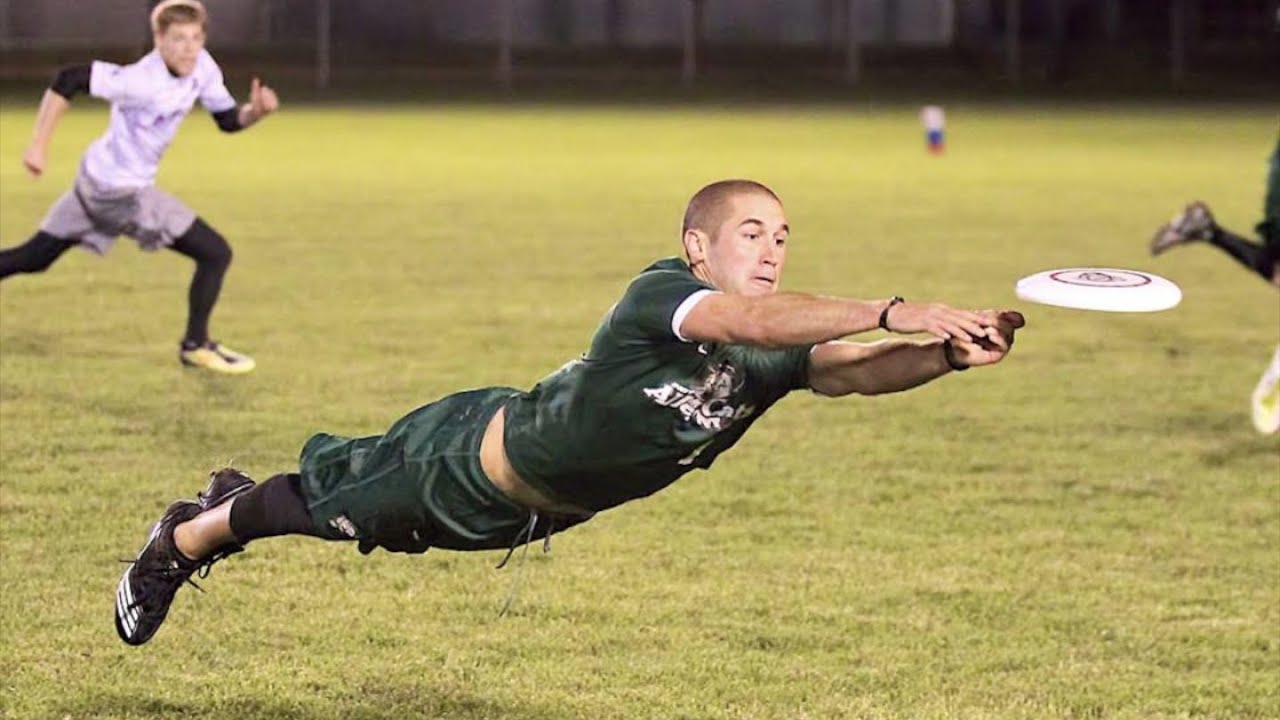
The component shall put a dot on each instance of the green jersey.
(644, 406)
(1270, 227)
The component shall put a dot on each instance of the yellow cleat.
(216, 357)
(1266, 399)
(1266, 409)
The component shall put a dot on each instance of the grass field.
(1089, 530)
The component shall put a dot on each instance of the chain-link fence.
(1009, 39)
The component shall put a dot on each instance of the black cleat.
(147, 588)
(1194, 224)
(224, 484)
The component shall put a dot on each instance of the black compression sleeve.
(33, 256)
(228, 120)
(274, 507)
(1258, 258)
(71, 80)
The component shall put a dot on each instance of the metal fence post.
(1177, 42)
(692, 31)
(506, 28)
(852, 47)
(1013, 41)
(324, 43)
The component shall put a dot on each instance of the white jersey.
(147, 104)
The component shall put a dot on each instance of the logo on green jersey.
(709, 405)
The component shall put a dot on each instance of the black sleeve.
(71, 80)
(228, 120)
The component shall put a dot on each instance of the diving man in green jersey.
(690, 356)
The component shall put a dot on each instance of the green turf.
(1090, 530)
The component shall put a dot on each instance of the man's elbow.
(228, 121)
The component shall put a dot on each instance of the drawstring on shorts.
(525, 536)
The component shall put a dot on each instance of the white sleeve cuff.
(103, 81)
(684, 309)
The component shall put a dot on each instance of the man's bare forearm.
(886, 366)
(790, 319)
(52, 107)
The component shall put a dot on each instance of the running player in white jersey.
(115, 193)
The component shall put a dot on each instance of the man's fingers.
(994, 317)
(944, 333)
(973, 324)
(974, 329)
(1014, 318)
(965, 347)
(34, 164)
(962, 323)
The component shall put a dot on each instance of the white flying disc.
(1107, 289)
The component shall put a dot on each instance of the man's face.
(179, 45)
(746, 254)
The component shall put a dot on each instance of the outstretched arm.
(843, 368)
(262, 102)
(790, 319)
(66, 84)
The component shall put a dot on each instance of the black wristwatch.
(949, 352)
(884, 314)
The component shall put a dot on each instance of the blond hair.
(177, 12)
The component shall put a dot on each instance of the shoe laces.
(160, 578)
(175, 572)
(205, 565)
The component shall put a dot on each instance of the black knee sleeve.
(274, 507)
(212, 255)
(1259, 258)
(1269, 264)
(204, 245)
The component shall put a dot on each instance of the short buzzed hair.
(709, 206)
(177, 12)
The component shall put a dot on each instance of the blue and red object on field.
(934, 121)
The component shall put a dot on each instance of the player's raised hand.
(262, 99)
(991, 347)
(34, 160)
(938, 320)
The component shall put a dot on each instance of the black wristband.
(884, 314)
(949, 352)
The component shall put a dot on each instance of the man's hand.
(262, 101)
(34, 159)
(939, 320)
(991, 347)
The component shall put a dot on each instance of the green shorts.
(419, 485)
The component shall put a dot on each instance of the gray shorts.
(96, 216)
